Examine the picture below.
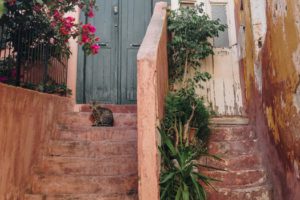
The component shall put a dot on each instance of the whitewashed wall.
(223, 92)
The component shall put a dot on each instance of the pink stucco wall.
(27, 119)
(152, 89)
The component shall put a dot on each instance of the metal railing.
(28, 61)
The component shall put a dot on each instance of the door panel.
(135, 18)
(223, 91)
(111, 76)
(97, 80)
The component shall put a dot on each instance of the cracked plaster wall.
(271, 71)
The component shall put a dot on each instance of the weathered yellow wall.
(271, 68)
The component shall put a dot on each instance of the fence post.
(45, 63)
(19, 57)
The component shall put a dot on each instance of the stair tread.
(127, 108)
(113, 165)
(238, 120)
(80, 197)
(232, 133)
(232, 148)
(243, 188)
(246, 193)
(84, 118)
(69, 184)
(238, 178)
(247, 161)
(95, 134)
(94, 149)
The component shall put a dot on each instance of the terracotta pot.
(192, 134)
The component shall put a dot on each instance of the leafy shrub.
(179, 107)
(190, 29)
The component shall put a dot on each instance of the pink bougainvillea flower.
(56, 15)
(3, 78)
(92, 29)
(88, 28)
(69, 19)
(91, 14)
(85, 39)
(95, 48)
(64, 31)
(14, 73)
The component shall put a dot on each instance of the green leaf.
(179, 194)
(167, 177)
(199, 190)
(185, 192)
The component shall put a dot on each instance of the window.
(219, 12)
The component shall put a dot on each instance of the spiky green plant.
(180, 177)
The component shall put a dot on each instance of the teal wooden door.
(110, 77)
(135, 18)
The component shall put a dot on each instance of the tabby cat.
(101, 116)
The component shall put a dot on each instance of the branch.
(187, 124)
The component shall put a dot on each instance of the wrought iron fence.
(30, 62)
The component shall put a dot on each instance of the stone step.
(81, 197)
(232, 133)
(88, 133)
(131, 108)
(232, 148)
(84, 119)
(88, 149)
(101, 185)
(108, 166)
(239, 178)
(263, 192)
(221, 121)
(243, 162)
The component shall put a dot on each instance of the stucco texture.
(27, 119)
(152, 90)
(271, 79)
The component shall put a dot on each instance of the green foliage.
(49, 88)
(1, 7)
(34, 22)
(190, 30)
(179, 107)
(180, 177)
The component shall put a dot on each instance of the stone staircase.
(245, 178)
(82, 162)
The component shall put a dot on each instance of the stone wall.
(270, 46)
(152, 89)
(27, 119)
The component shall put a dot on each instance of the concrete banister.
(152, 89)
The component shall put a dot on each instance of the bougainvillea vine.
(50, 22)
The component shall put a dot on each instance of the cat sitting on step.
(101, 116)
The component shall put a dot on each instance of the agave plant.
(180, 177)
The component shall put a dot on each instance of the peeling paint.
(296, 99)
(258, 77)
(272, 124)
(279, 9)
(296, 58)
(271, 68)
(259, 23)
